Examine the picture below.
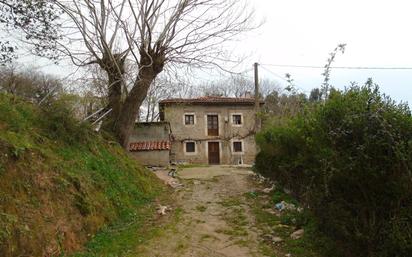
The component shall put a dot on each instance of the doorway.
(214, 152)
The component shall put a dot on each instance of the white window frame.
(241, 119)
(184, 119)
(185, 150)
(233, 149)
(218, 124)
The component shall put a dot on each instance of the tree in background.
(35, 20)
(236, 85)
(29, 84)
(162, 88)
(315, 95)
(281, 105)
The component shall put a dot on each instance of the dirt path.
(215, 219)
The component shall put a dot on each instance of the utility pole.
(257, 100)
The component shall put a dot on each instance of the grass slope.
(60, 183)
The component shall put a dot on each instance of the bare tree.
(29, 83)
(34, 20)
(159, 90)
(237, 85)
(149, 35)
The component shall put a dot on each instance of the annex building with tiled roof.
(150, 143)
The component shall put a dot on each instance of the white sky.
(302, 32)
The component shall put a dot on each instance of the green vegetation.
(61, 183)
(349, 160)
(201, 208)
(230, 202)
(191, 165)
(237, 223)
(283, 224)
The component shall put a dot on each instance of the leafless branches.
(149, 35)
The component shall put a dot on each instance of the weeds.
(201, 208)
(54, 168)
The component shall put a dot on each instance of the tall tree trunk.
(148, 108)
(130, 108)
(151, 64)
(114, 65)
(115, 100)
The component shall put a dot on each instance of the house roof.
(212, 100)
(149, 146)
(151, 123)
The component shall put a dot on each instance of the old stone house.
(211, 130)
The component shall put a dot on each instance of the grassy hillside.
(60, 183)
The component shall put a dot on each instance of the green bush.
(59, 120)
(349, 160)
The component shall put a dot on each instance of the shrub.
(60, 122)
(349, 160)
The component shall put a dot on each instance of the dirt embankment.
(60, 182)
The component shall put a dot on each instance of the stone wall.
(152, 158)
(228, 132)
(151, 131)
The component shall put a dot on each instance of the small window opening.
(237, 119)
(237, 147)
(190, 147)
(189, 119)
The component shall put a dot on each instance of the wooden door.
(212, 125)
(214, 152)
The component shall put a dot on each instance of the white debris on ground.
(175, 184)
(269, 189)
(277, 239)
(273, 239)
(259, 178)
(282, 226)
(285, 206)
(162, 174)
(161, 210)
(297, 234)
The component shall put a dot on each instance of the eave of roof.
(149, 146)
(211, 100)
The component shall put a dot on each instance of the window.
(190, 147)
(189, 119)
(212, 125)
(237, 147)
(237, 119)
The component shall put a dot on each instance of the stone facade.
(150, 143)
(191, 137)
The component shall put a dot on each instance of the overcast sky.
(302, 32)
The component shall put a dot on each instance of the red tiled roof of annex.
(211, 100)
(149, 146)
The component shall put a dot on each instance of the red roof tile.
(211, 100)
(149, 146)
